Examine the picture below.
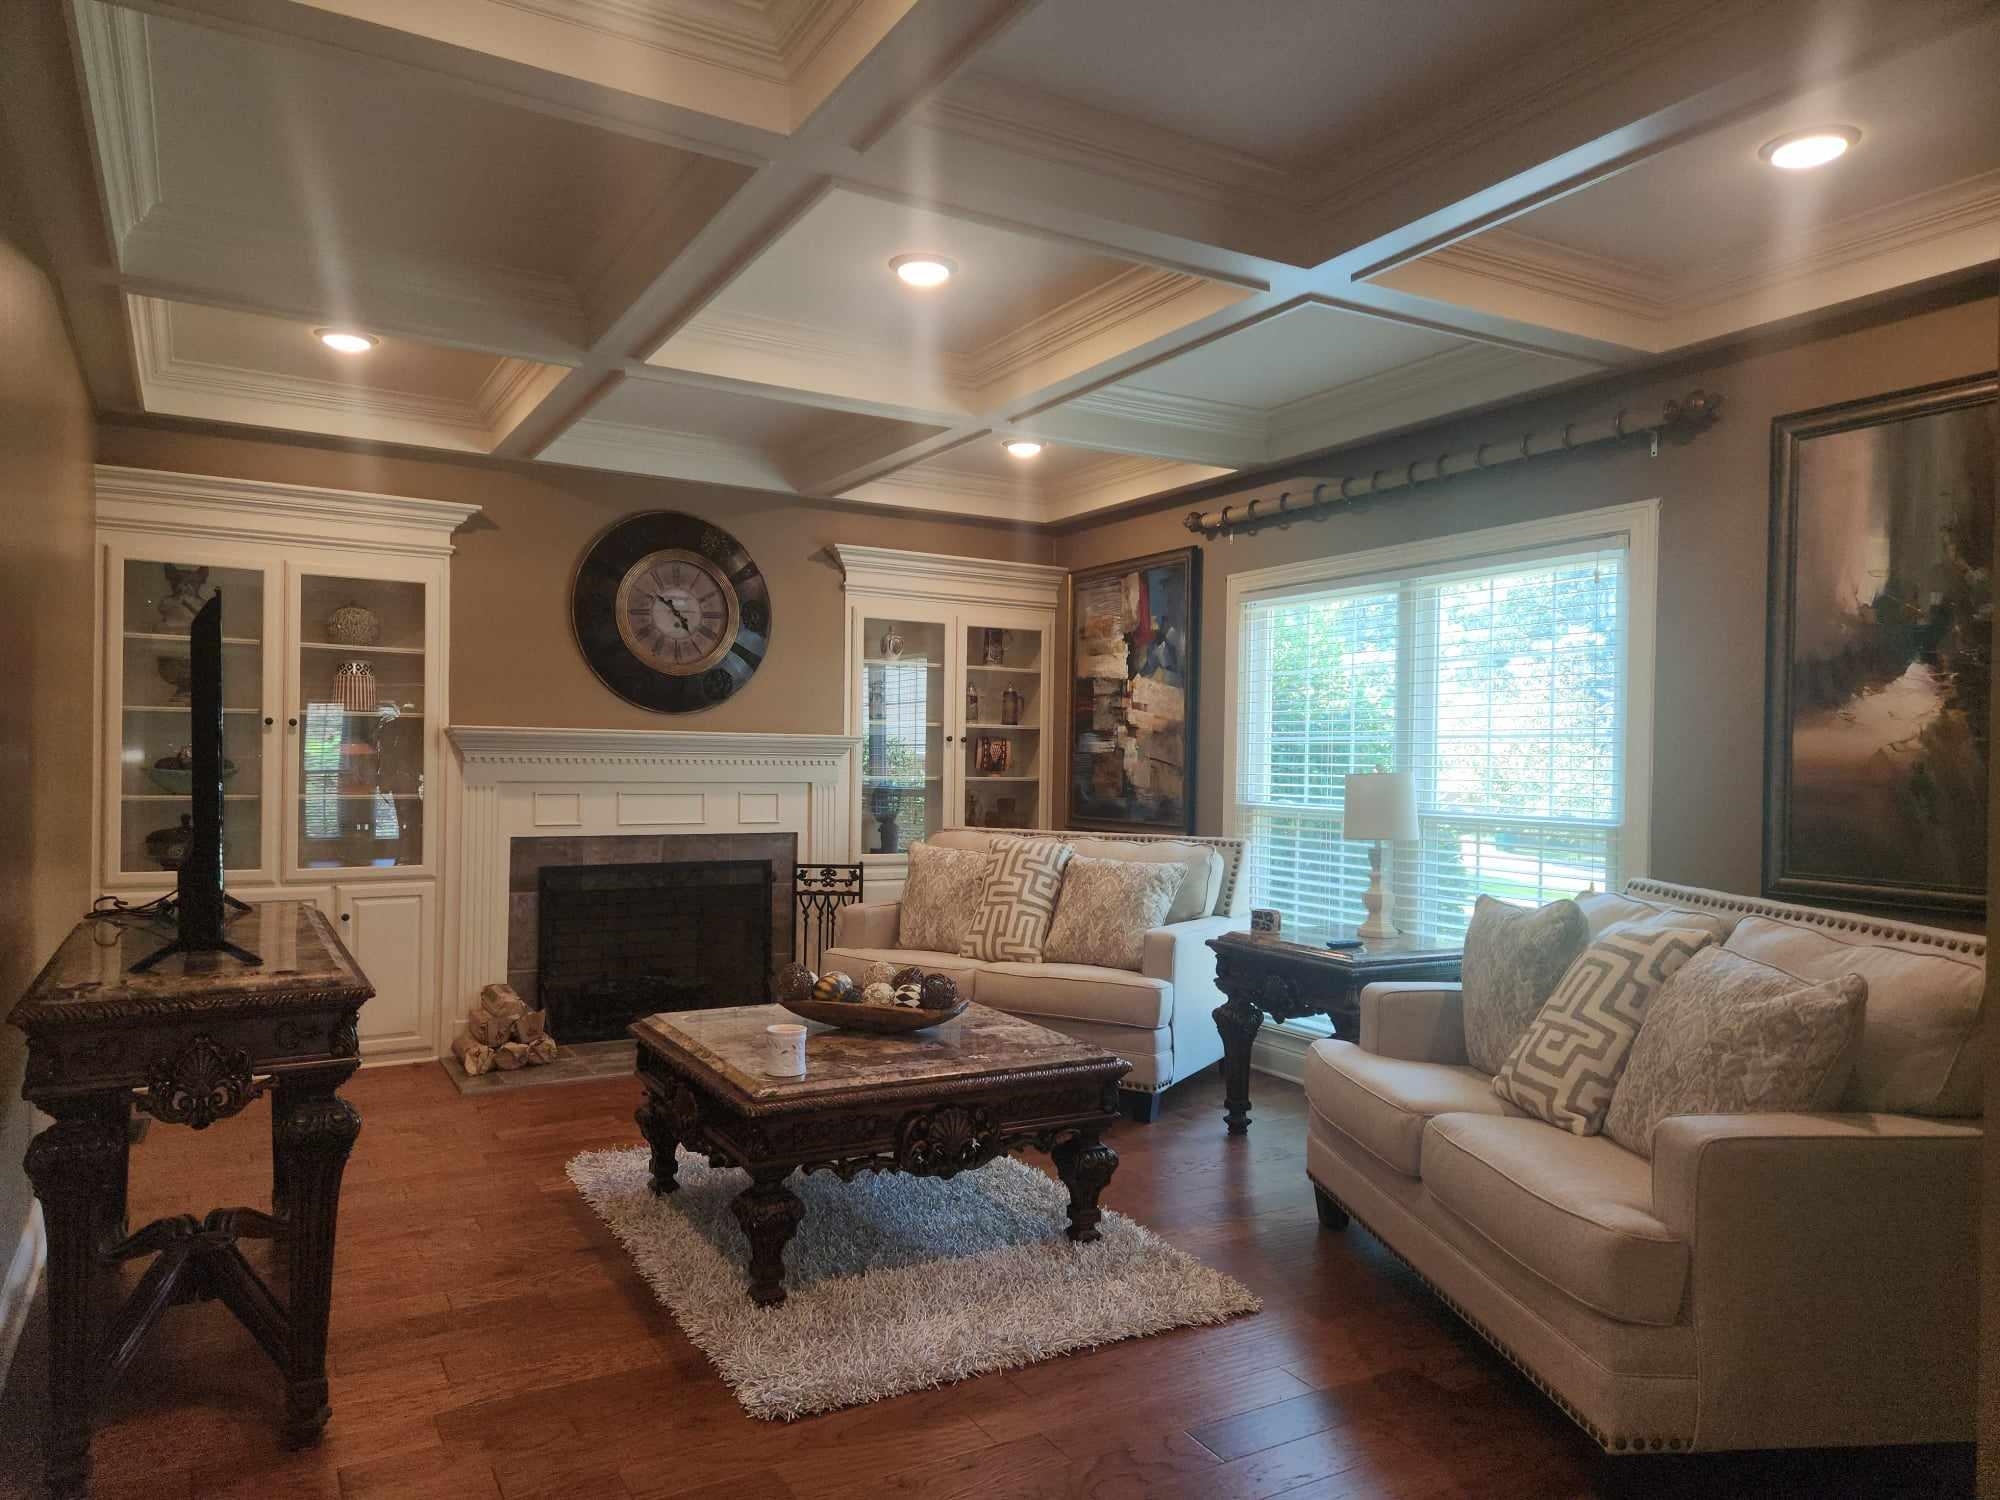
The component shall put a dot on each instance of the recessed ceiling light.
(923, 270)
(1809, 148)
(1023, 447)
(346, 340)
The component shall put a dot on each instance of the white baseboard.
(24, 1275)
(1281, 1053)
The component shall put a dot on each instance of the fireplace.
(621, 941)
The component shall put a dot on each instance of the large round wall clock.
(670, 612)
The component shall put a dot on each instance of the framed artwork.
(1134, 629)
(1881, 651)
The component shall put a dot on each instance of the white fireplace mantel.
(544, 782)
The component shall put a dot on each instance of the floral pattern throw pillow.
(1730, 1036)
(1106, 909)
(1514, 959)
(941, 897)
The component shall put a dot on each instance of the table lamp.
(1381, 805)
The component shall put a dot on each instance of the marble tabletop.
(89, 979)
(980, 1043)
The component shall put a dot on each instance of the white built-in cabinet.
(952, 696)
(334, 745)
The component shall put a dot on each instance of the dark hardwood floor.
(491, 1340)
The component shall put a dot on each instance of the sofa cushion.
(1920, 1043)
(1567, 1063)
(1077, 992)
(854, 963)
(941, 896)
(1106, 908)
(1576, 1210)
(1513, 961)
(1385, 1102)
(1728, 1035)
(1607, 911)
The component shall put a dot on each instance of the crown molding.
(1135, 403)
(116, 57)
(1119, 478)
(786, 355)
(935, 575)
(769, 40)
(507, 746)
(1137, 292)
(260, 510)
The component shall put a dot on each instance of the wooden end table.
(931, 1103)
(190, 1042)
(1266, 976)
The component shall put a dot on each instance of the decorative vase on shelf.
(186, 593)
(1010, 706)
(354, 625)
(354, 687)
(892, 643)
(995, 652)
(971, 703)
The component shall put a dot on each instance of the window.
(1508, 670)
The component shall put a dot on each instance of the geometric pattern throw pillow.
(1022, 885)
(1566, 1065)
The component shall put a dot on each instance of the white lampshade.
(1381, 805)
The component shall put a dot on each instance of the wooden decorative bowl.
(883, 1020)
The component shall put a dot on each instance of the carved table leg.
(769, 1213)
(1085, 1164)
(314, 1136)
(77, 1167)
(656, 1123)
(1239, 1022)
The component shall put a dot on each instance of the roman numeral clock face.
(670, 612)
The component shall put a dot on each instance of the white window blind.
(1501, 684)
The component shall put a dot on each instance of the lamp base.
(1375, 901)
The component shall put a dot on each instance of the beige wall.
(45, 724)
(513, 658)
(1715, 493)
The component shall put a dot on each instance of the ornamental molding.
(556, 748)
(226, 509)
(932, 574)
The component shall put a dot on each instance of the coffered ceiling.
(655, 235)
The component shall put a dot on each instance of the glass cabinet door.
(1003, 716)
(360, 722)
(157, 604)
(902, 732)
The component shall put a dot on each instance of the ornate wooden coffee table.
(933, 1104)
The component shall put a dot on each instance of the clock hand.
(679, 618)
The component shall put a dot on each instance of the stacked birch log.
(501, 1032)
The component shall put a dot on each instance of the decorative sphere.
(940, 992)
(834, 985)
(911, 995)
(879, 993)
(908, 974)
(795, 982)
(879, 973)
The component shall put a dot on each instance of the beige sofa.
(1771, 1280)
(1161, 1018)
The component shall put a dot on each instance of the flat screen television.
(201, 907)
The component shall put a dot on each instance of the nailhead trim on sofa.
(1970, 943)
(1609, 1442)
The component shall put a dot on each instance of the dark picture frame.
(1132, 725)
(1879, 651)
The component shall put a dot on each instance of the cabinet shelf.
(1003, 778)
(1010, 728)
(168, 638)
(892, 724)
(178, 797)
(361, 650)
(360, 796)
(178, 708)
(902, 661)
(1012, 671)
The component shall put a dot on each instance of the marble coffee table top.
(981, 1043)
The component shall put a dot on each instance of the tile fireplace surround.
(621, 784)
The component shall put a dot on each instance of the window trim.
(1636, 523)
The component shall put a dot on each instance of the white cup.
(785, 1050)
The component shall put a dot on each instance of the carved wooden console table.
(190, 1042)
(930, 1103)
(1268, 976)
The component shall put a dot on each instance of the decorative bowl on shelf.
(173, 775)
(177, 672)
(353, 625)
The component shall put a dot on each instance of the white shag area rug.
(896, 1283)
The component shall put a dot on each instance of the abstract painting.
(1134, 628)
(1881, 651)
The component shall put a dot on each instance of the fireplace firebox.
(618, 942)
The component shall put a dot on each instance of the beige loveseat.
(1770, 1280)
(1162, 1018)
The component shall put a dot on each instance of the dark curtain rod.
(1302, 497)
